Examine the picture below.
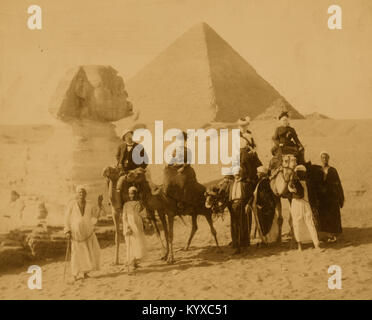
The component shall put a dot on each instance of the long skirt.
(303, 223)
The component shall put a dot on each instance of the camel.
(117, 201)
(217, 199)
(280, 178)
(155, 198)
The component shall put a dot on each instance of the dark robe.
(265, 205)
(241, 220)
(249, 162)
(331, 200)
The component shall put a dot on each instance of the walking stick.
(128, 254)
(66, 258)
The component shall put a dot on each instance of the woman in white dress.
(133, 212)
(301, 213)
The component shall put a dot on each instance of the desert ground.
(274, 272)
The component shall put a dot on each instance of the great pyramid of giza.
(199, 79)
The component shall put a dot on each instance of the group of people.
(240, 188)
(80, 220)
(315, 201)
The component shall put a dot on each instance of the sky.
(286, 41)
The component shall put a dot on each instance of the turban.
(283, 114)
(324, 152)
(80, 188)
(300, 168)
(262, 169)
(132, 189)
(245, 121)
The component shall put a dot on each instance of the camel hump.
(182, 185)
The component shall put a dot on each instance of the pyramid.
(200, 79)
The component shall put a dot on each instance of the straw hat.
(125, 131)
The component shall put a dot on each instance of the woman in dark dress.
(331, 200)
(286, 140)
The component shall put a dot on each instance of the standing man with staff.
(79, 229)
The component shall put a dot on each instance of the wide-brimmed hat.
(125, 131)
(244, 121)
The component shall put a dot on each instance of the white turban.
(81, 187)
(245, 121)
(132, 189)
(262, 169)
(300, 168)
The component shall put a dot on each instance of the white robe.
(136, 242)
(302, 219)
(85, 250)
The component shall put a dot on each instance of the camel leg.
(163, 220)
(290, 222)
(278, 211)
(194, 228)
(213, 230)
(116, 219)
(151, 215)
(170, 236)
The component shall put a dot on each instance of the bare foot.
(319, 249)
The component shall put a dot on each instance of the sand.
(202, 272)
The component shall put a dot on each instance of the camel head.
(136, 176)
(110, 173)
(215, 197)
